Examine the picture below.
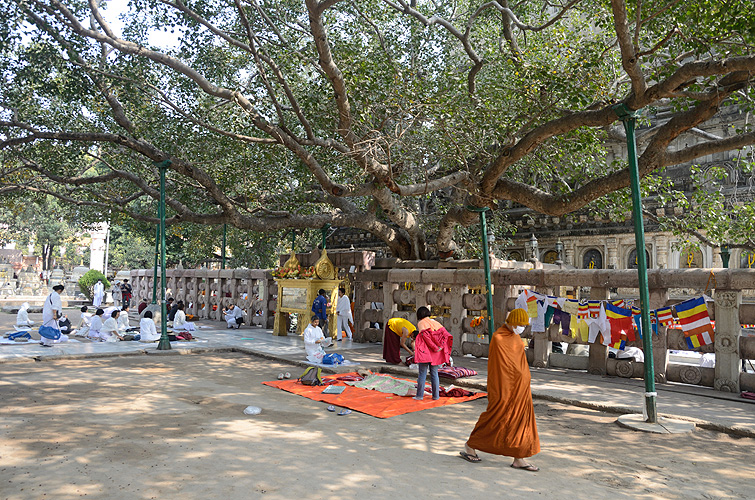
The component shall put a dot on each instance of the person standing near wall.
(320, 309)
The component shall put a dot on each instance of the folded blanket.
(455, 372)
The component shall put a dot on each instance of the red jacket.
(433, 343)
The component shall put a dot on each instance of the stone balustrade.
(206, 291)
(455, 297)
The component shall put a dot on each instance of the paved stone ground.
(172, 426)
(123, 420)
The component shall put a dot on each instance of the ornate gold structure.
(296, 295)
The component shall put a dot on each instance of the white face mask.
(518, 330)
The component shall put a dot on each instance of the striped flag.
(620, 320)
(695, 322)
(618, 303)
(582, 313)
(620, 345)
(665, 317)
(594, 308)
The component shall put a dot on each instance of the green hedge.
(86, 282)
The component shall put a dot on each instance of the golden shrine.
(297, 290)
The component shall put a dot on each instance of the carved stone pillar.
(661, 254)
(727, 340)
(598, 355)
(569, 257)
(501, 294)
(658, 298)
(612, 247)
(458, 313)
(717, 261)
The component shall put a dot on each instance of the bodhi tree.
(395, 117)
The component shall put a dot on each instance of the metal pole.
(225, 234)
(164, 343)
(486, 261)
(157, 257)
(323, 233)
(629, 119)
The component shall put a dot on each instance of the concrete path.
(705, 407)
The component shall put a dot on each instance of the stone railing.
(206, 291)
(454, 297)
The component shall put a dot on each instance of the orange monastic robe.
(508, 426)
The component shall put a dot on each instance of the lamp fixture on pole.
(559, 252)
(725, 254)
(533, 248)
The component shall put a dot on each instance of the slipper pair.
(344, 411)
(281, 376)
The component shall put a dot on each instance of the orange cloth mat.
(375, 403)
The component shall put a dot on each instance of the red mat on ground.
(375, 403)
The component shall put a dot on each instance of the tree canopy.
(391, 116)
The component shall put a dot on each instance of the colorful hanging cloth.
(695, 322)
(620, 320)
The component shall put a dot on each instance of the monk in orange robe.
(508, 426)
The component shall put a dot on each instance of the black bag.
(311, 376)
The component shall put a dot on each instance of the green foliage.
(88, 280)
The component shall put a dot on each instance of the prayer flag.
(620, 320)
(571, 306)
(695, 322)
(665, 317)
(583, 312)
(594, 308)
(619, 345)
(618, 303)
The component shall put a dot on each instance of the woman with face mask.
(507, 427)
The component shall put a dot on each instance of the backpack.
(332, 359)
(311, 376)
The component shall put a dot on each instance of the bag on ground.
(311, 376)
(332, 359)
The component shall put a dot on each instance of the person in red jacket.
(432, 348)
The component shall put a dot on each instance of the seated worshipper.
(109, 311)
(142, 306)
(23, 323)
(123, 325)
(147, 329)
(171, 306)
(314, 341)
(65, 325)
(179, 320)
(109, 330)
(95, 325)
(234, 316)
(398, 333)
(86, 317)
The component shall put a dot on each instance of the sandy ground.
(172, 426)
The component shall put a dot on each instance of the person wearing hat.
(52, 311)
(507, 427)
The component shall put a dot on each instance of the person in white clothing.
(123, 325)
(179, 320)
(86, 318)
(95, 325)
(234, 317)
(343, 314)
(51, 312)
(23, 323)
(109, 330)
(147, 329)
(314, 340)
(98, 292)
